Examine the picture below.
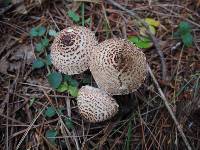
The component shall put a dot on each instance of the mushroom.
(118, 66)
(71, 49)
(95, 105)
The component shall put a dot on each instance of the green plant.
(42, 58)
(55, 79)
(50, 112)
(70, 85)
(38, 63)
(79, 19)
(184, 32)
(68, 122)
(128, 137)
(143, 40)
(74, 16)
(31, 102)
(50, 135)
(52, 33)
(37, 31)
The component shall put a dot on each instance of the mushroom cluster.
(118, 67)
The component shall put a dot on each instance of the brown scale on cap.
(71, 49)
(95, 105)
(118, 67)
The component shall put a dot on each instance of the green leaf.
(34, 32)
(55, 79)
(184, 27)
(41, 30)
(50, 112)
(73, 82)
(128, 136)
(48, 60)
(39, 47)
(70, 80)
(133, 39)
(83, 13)
(50, 135)
(38, 63)
(187, 39)
(63, 87)
(67, 77)
(38, 31)
(73, 90)
(69, 123)
(143, 30)
(152, 22)
(73, 16)
(53, 33)
(45, 42)
(60, 110)
(176, 35)
(32, 100)
(88, 21)
(141, 42)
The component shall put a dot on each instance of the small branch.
(155, 41)
(30, 126)
(169, 109)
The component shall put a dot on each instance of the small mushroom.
(118, 66)
(71, 49)
(95, 105)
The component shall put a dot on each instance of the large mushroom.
(118, 66)
(71, 49)
(95, 105)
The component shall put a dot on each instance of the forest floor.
(33, 115)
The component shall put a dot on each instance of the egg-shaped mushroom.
(71, 49)
(118, 66)
(95, 105)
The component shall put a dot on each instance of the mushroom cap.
(71, 49)
(95, 105)
(118, 66)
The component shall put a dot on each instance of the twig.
(155, 41)
(169, 109)
(61, 121)
(73, 130)
(7, 109)
(154, 79)
(30, 126)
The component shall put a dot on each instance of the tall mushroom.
(71, 49)
(118, 67)
(95, 105)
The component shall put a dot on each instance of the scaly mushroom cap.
(71, 49)
(118, 67)
(95, 105)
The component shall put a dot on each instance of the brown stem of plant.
(152, 75)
